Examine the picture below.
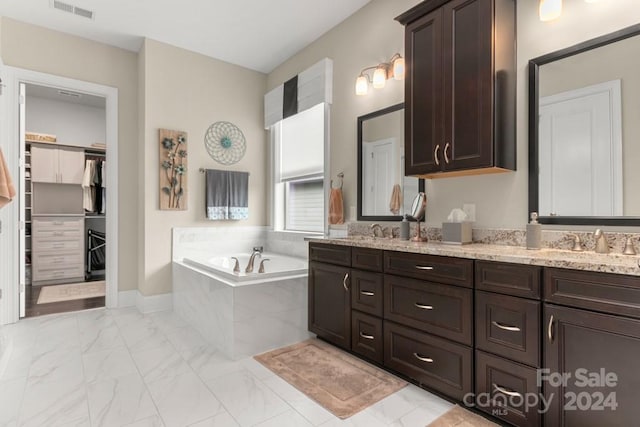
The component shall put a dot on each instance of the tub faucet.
(602, 246)
(236, 267)
(255, 253)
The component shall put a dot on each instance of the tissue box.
(458, 233)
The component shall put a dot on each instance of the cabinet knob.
(435, 155)
(446, 157)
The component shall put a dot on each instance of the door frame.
(9, 304)
(367, 177)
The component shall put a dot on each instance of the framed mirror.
(384, 193)
(584, 132)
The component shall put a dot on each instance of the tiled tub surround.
(239, 319)
(548, 257)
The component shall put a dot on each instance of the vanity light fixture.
(550, 10)
(381, 73)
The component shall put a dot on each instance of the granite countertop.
(587, 260)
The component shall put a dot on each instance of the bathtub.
(243, 314)
(277, 267)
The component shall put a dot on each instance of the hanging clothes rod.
(203, 170)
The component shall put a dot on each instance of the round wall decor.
(225, 143)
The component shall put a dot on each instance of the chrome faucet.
(602, 245)
(257, 251)
(375, 227)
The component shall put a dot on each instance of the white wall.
(188, 92)
(371, 36)
(73, 124)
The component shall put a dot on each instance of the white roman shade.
(313, 86)
(302, 145)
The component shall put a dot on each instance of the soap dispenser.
(534, 232)
(404, 229)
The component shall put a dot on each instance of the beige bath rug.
(341, 383)
(460, 417)
(57, 293)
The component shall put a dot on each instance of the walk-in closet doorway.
(62, 152)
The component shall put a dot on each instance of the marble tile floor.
(121, 368)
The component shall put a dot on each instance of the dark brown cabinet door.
(330, 303)
(468, 84)
(423, 95)
(580, 343)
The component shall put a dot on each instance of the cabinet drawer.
(453, 271)
(366, 292)
(366, 336)
(508, 384)
(434, 362)
(57, 223)
(609, 293)
(57, 235)
(57, 272)
(366, 259)
(58, 259)
(442, 310)
(57, 245)
(511, 279)
(332, 254)
(508, 326)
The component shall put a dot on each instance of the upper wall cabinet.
(460, 87)
(57, 164)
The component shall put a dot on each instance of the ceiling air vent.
(69, 8)
(70, 94)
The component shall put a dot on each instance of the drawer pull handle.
(367, 293)
(423, 307)
(424, 267)
(422, 358)
(344, 282)
(550, 329)
(505, 327)
(369, 337)
(435, 155)
(506, 391)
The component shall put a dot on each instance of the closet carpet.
(33, 309)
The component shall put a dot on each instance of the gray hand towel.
(217, 190)
(238, 195)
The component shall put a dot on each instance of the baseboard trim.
(153, 303)
(127, 298)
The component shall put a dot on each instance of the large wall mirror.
(384, 193)
(584, 132)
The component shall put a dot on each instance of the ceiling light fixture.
(550, 10)
(381, 73)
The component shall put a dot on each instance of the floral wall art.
(173, 170)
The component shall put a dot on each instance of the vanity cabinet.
(596, 332)
(507, 340)
(460, 87)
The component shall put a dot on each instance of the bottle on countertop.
(404, 229)
(534, 232)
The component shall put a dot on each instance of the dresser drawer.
(40, 274)
(454, 271)
(46, 223)
(58, 259)
(367, 291)
(434, 362)
(57, 245)
(56, 235)
(366, 336)
(442, 310)
(609, 293)
(366, 259)
(508, 384)
(332, 254)
(508, 326)
(512, 279)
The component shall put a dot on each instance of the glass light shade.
(550, 10)
(362, 85)
(379, 77)
(398, 69)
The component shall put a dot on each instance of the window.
(298, 166)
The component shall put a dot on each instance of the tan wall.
(188, 92)
(618, 61)
(36, 48)
(371, 35)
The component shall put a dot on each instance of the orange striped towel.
(396, 200)
(336, 210)
(7, 190)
